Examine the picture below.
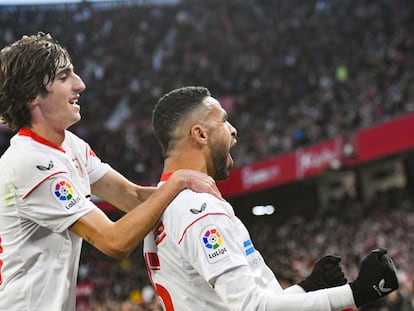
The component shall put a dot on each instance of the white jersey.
(200, 257)
(44, 189)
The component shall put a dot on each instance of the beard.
(219, 156)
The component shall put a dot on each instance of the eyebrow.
(224, 114)
(64, 70)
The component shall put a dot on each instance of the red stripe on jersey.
(39, 139)
(165, 296)
(165, 176)
(185, 230)
(89, 152)
(37, 185)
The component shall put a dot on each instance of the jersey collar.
(39, 139)
(165, 176)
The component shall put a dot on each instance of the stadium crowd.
(349, 228)
(289, 73)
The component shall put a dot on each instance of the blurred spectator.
(290, 73)
(293, 72)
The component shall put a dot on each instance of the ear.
(33, 103)
(199, 134)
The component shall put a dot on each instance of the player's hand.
(326, 273)
(377, 278)
(198, 182)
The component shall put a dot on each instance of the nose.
(79, 84)
(233, 130)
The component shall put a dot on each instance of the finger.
(336, 275)
(379, 252)
(387, 262)
(329, 259)
(338, 280)
(333, 270)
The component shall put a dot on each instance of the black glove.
(377, 278)
(326, 273)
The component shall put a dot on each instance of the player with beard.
(200, 256)
(48, 175)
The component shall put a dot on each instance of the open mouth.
(74, 100)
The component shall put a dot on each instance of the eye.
(63, 77)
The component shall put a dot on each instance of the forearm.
(118, 239)
(239, 290)
(130, 230)
(120, 192)
(330, 299)
(140, 220)
(131, 199)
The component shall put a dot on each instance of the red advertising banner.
(317, 158)
(260, 175)
(384, 139)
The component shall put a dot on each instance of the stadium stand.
(291, 74)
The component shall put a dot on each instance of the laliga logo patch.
(64, 193)
(63, 190)
(212, 239)
(213, 244)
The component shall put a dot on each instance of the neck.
(191, 162)
(55, 137)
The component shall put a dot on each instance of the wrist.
(359, 293)
(178, 179)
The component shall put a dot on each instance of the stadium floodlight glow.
(262, 210)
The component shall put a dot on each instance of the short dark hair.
(26, 67)
(172, 108)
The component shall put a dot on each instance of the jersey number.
(159, 233)
(153, 263)
(163, 293)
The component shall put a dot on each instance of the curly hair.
(26, 67)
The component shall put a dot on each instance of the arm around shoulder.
(118, 239)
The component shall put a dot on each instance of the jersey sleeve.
(55, 203)
(205, 237)
(48, 196)
(218, 246)
(239, 293)
(96, 169)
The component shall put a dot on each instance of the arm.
(237, 288)
(115, 189)
(120, 192)
(376, 279)
(118, 239)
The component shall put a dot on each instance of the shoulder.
(191, 209)
(73, 140)
(188, 202)
(26, 163)
(25, 154)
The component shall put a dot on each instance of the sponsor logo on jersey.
(198, 211)
(46, 168)
(248, 247)
(64, 193)
(213, 244)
